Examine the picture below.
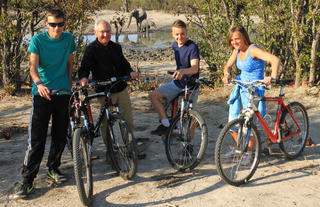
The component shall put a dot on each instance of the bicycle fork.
(245, 130)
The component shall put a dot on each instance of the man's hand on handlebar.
(177, 75)
(267, 80)
(134, 75)
(83, 81)
(226, 79)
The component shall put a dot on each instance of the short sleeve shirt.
(183, 56)
(53, 58)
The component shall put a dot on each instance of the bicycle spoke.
(123, 148)
(295, 138)
(237, 161)
(186, 141)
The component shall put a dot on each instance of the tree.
(299, 10)
(118, 22)
(20, 20)
(315, 17)
(78, 17)
(288, 29)
(210, 20)
(14, 21)
(125, 5)
(273, 21)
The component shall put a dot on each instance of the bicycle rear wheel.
(293, 146)
(186, 141)
(122, 147)
(82, 167)
(236, 163)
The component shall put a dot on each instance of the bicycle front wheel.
(186, 141)
(237, 155)
(294, 145)
(82, 167)
(122, 147)
(69, 138)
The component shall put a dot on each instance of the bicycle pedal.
(52, 183)
(94, 157)
(268, 142)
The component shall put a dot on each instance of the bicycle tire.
(293, 147)
(122, 147)
(70, 129)
(230, 160)
(183, 152)
(69, 139)
(82, 167)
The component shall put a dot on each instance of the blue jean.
(239, 99)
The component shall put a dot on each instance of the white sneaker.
(247, 158)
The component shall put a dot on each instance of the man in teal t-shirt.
(53, 60)
(50, 68)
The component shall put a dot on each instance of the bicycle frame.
(275, 134)
(93, 128)
(181, 101)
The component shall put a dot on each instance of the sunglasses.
(60, 24)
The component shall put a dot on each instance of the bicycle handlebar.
(261, 82)
(104, 83)
(57, 91)
(281, 82)
(54, 92)
(250, 83)
(111, 81)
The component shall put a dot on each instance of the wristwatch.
(38, 82)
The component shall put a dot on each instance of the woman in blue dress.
(250, 59)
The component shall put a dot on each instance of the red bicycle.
(238, 148)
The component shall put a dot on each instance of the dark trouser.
(42, 110)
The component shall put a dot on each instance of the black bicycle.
(121, 147)
(187, 136)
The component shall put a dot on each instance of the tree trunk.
(315, 44)
(298, 13)
(298, 73)
(5, 64)
(17, 53)
(227, 8)
(314, 58)
(125, 5)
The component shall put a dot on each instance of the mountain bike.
(238, 148)
(121, 147)
(187, 137)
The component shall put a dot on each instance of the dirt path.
(277, 182)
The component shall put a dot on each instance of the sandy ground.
(277, 182)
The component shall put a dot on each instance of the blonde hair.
(179, 24)
(242, 30)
